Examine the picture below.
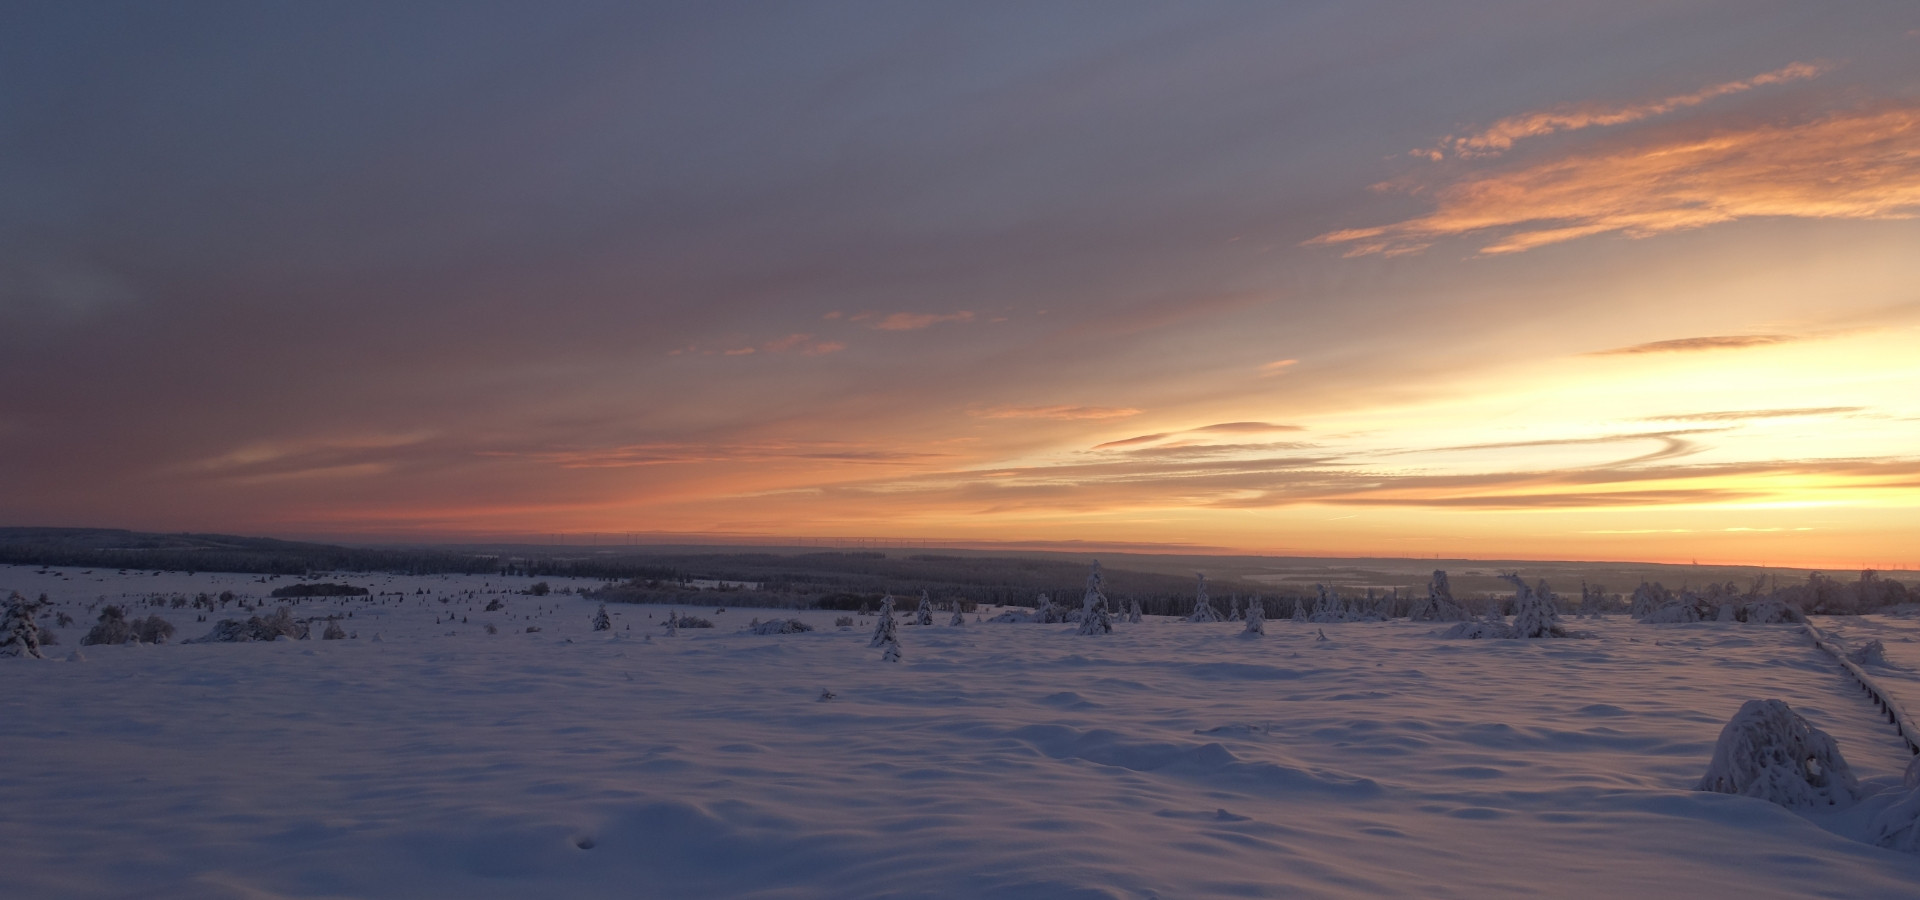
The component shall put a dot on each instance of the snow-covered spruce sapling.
(1768, 752)
(1533, 612)
(887, 636)
(19, 634)
(1094, 618)
(602, 621)
(334, 632)
(959, 617)
(1256, 617)
(884, 627)
(1203, 610)
(1133, 610)
(924, 614)
(1299, 610)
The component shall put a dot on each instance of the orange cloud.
(902, 321)
(1695, 344)
(1849, 165)
(1277, 366)
(1056, 412)
(1500, 136)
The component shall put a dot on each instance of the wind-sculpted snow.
(1166, 759)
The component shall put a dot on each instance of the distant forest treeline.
(102, 548)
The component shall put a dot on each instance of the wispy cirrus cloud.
(1054, 412)
(1221, 428)
(1501, 136)
(1700, 344)
(804, 344)
(908, 321)
(1741, 415)
(1854, 164)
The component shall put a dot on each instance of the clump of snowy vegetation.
(924, 614)
(19, 634)
(1593, 601)
(1872, 653)
(883, 628)
(1329, 607)
(779, 626)
(1439, 605)
(1769, 752)
(602, 621)
(334, 632)
(1534, 615)
(680, 621)
(959, 616)
(280, 623)
(1256, 618)
(1768, 610)
(1203, 610)
(1094, 618)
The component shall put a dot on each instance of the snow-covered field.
(1166, 760)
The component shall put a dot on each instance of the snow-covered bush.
(692, 622)
(1767, 751)
(1329, 607)
(1593, 599)
(1094, 618)
(1672, 614)
(19, 634)
(1256, 617)
(1647, 598)
(334, 632)
(1477, 629)
(959, 617)
(1299, 610)
(1728, 612)
(1872, 653)
(1233, 609)
(257, 628)
(602, 621)
(151, 630)
(780, 626)
(1203, 610)
(1534, 615)
(111, 628)
(924, 615)
(1768, 610)
(1133, 610)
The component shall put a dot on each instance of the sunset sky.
(1620, 280)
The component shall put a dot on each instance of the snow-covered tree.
(1647, 598)
(1256, 617)
(602, 621)
(1592, 600)
(334, 632)
(1767, 751)
(1439, 605)
(1133, 610)
(1299, 610)
(886, 635)
(19, 634)
(111, 628)
(1533, 612)
(1328, 607)
(1203, 610)
(924, 615)
(1094, 618)
(1233, 609)
(959, 618)
(884, 626)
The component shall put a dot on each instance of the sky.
(1584, 280)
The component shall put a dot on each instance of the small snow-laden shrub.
(1475, 629)
(491, 629)
(923, 615)
(257, 628)
(959, 617)
(843, 621)
(601, 621)
(780, 626)
(1768, 752)
(20, 636)
(1768, 610)
(1329, 607)
(494, 605)
(1727, 613)
(693, 622)
(1593, 600)
(151, 630)
(1871, 653)
(1672, 614)
(334, 632)
(1299, 610)
(111, 628)
(1014, 617)
(1256, 617)
(1133, 610)
(1647, 598)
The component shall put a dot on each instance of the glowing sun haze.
(1576, 280)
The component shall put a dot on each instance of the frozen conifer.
(884, 627)
(959, 618)
(1533, 612)
(602, 621)
(19, 634)
(1094, 618)
(1233, 609)
(886, 635)
(1133, 611)
(1203, 610)
(1256, 617)
(924, 615)
(1767, 751)
(1299, 610)
(112, 628)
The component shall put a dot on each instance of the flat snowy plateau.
(1166, 760)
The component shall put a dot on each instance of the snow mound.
(256, 628)
(1768, 752)
(1872, 653)
(1768, 611)
(1478, 630)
